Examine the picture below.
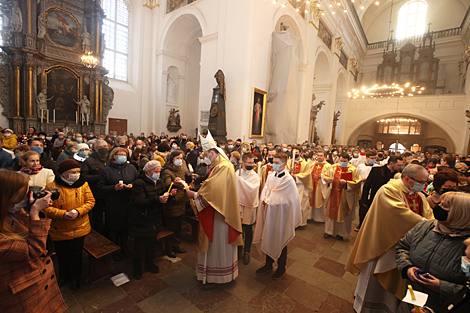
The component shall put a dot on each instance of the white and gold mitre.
(209, 143)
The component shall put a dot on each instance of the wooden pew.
(194, 222)
(160, 246)
(99, 249)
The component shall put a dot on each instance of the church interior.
(372, 74)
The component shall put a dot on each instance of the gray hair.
(412, 170)
(97, 142)
(119, 138)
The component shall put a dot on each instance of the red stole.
(335, 195)
(296, 169)
(415, 202)
(269, 168)
(317, 169)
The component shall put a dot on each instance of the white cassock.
(248, 193)
(277, 219)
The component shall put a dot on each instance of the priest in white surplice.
(220, 226)
(248, 196)
(278, 215)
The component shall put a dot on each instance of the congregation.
(413, 210)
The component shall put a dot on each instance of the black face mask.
(238, 146)
(271, 160)
(122, 146)
(381, 156)
(439, 213)
(444, 190)
(249, 167)
(102, 151)
(296, 155)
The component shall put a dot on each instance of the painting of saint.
(64, 86)
(258, 113)
(62, 28)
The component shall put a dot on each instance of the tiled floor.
(315, 282)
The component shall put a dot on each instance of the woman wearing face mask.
(68, 153)
(83, 151)
(115, 184)
(145, 216)
(24, 250)
(437, 248)
(19, 151)
(70, 222)
(174, 208)
(39, 177)
(444, 181)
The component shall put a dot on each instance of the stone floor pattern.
(315, 282)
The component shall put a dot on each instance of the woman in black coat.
(145, 216)
(115, 185)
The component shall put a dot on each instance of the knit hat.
(68, 164)
(151, 165)
(81, 146)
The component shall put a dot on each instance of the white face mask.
(72, 178)
(7, 134)
(207, 161)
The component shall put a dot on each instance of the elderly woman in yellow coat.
(70, 222)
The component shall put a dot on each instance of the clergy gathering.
(235, 156)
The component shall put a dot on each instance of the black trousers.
(248, 233)
(144, 247)
(174, 224)
(69, 255)
(281, 262)
(119, 238)
(362, 213)
(97, 216)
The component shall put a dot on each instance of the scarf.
(31, 172)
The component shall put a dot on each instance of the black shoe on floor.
(171, 254)
(338, 237)
(279, 273)
(246, 258)
(265, 269)
(152, 268)
(62, 281)
(75, 285)
(177, 249)
(326, 236)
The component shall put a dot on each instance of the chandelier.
(388, 91)
(88, 60)
(308, 4)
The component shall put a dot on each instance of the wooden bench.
(160, 246)
(99, 249)
(194, 222)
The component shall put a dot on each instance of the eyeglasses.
(421, 182)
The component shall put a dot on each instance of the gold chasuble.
(314, 183)
(388, 220)
(220, 192)
(340, 203)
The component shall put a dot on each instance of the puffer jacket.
(77, 196)
(91, 170)
(437, 254)
(176, 205)
(145, 210)
(10, 142)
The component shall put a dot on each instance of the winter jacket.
(116, 201)
(5, 159)
(67, 154)
(378, 177)
(91, 170)
(48, 162)
(435, 253)
(77, 196)
(175, 206)
(10, 142)
(145, 209)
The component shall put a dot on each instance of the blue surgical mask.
(465, 265)
(173, 146)
(178, 162)
(79, 139)
(417, 187)
(17, 156)
(343, 164)
(326, 150)
(372, 162)
(155, 176)
(38, 150)
(276, 167)
(83, 154)
(122, 159)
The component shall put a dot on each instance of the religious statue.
(174, 120)
(467, 52)
(171, 89)
(283, 27)
(108, 97)
(41, 25)
(220, 79)
(354, 64)
(313, 115)
(16, 20)
(315, 12)
(217, 122)
(103, 44)
(86, 40)
(85, 106)
(335, 123)
(41, 103)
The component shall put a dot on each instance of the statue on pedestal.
(84, 106)
(41, 25)
(41, 103)
(16, 20)
(86, 40)
(174, 121)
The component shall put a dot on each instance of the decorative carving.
(339, 44)
(354, 64)
(103, 44)
(467, 52)
(16, 19)
(315, 12)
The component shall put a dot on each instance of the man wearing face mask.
(248, 196)
(82, 152)
(266, 169)
(70, 221)
(220, 226)
(389, 218)
(279, 213)
(37, 145)
(299, 169)
(91, 170)
(68, 153)
(355, 158)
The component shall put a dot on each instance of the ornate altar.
(43, 82)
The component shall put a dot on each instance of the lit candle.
(76, 117)
(42, 115)
(53, 115)
(47, 116)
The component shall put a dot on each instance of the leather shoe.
(75, 285)
(152, 268)
(246, 258)
(62, 281)
(326, 236)
(177, 249)
(265, 269)
(279, 273)
(171, 254)
(338, 237)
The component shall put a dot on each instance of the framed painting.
(324, 34)
(343, 59)
(63, 85)
(258, 113)
(62, 28)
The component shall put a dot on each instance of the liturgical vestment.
(300, 168)
(248, 195)
(263, 175)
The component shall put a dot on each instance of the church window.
(116, 33)
(399, 126)
(412, 19)
(394, 148)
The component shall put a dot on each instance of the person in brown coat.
(28, 281)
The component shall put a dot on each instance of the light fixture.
(345, 10)
(376, 2)
(88, 60)
(388, 91)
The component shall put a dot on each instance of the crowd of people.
(413, 209)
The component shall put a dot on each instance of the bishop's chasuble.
(219, 224)
(390, 217)
(300, 168)
(342, 200)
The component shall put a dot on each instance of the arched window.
(116, 34)
(412, 19)
(394, 148)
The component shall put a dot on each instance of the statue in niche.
(16, 20)
(171, 89)
(108, 97)
(41, 103)
(84, 106)
(86, 40)
(174, 120)
(41, 25)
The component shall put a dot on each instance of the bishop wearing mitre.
(299, 168)
(345, 184)
(220, 225)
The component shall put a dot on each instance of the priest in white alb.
(277, 217)
(248, 197)
(220, 225)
